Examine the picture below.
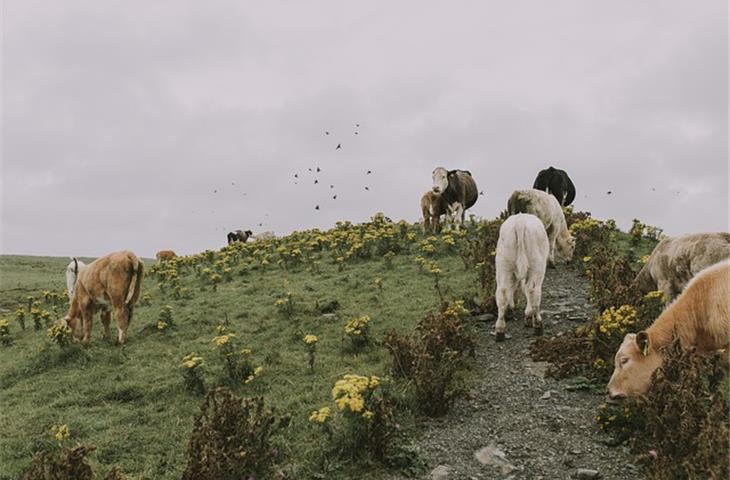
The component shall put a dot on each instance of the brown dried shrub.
(686, 416)
(70, 464)
(232, 438)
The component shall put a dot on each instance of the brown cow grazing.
(675, 261)
(165, 255)
(700, 317)
(432, 207)
(113, 281)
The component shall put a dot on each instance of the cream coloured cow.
(699, 317)
(522, 254)
(72, 273)
(545, 207)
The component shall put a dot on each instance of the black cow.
(239, 236)
(556, 182)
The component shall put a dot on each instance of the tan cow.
(110, 282)
(700, 317)
(675, 261)
(165, 255)
(432, 207)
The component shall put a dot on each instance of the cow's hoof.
(538, 331)
(499, 336)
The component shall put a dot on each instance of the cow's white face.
(566, 247)
(634, 364)
(440, 180)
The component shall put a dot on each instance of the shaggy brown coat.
(165, 255)
(113, 281)
(675, 261)
(432, 207)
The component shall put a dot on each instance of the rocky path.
(520, 424)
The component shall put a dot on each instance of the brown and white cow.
(165, 255)
(675, 261)
(110, 282)
(699, 317)
(458, 190)
(432, 207)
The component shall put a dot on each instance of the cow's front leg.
(551, 255)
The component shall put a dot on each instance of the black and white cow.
(239, 236)
(458, 191)
(557, 183)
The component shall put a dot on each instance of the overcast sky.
(151, 125)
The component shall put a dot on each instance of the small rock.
(547, 395)
(441, 472)
(492, 455)
(329, 316)
(587, 474)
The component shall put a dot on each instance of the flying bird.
(316, 181)
(357, 125)
(296, 175)
(317, 207)
(318, 169)
(355, 133)
(338, 147)
(215, 191)
(481, 192)
(609, 192)
(332, 186)
(367, 188)
(334, 197)
(261, 224)
(326, 132)
(309, 169)
(369, 172)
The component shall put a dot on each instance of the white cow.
(522, 254)
(72, 273)
(545, 207)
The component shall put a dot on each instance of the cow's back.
(107, 279)
(469, 188)
(677, 260)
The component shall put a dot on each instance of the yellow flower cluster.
(59, 331)
(656, 294)
(456, 309)
(320, 416)
(348, 393)
(192, 361)
(256, 372)
(222, 340)
(161, 325)
(61, 432)
(583, 225)
(617, 319)
(310, 339)
(357, 325)
(4, 323)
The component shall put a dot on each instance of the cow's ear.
(452, 173)
(642, 341)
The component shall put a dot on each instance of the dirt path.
(542, 435)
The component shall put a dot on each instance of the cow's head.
(565, 246)
(74, 324)
(440, 178)
(634, 365)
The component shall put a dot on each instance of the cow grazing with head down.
(557, 183)
(548, 210)
(239, 236)
(675, 261)
(699, 317)
(458, 191)
(72, 273)
(432, 207)
(521, 259)
(110, 282)
(165, 255)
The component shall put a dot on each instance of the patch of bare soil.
(515, 422)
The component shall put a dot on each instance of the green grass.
(130, 401)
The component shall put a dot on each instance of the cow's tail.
(136, 279)
(522, 262)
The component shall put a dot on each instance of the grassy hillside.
(130, 401)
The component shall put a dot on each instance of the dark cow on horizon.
(239, 236)
(556, 182)
(458, 191)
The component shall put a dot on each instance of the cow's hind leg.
(124, 317)
(106, 318)
(504, 301)
(532, 311)
(87, 316)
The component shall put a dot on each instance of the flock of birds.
(316, 173)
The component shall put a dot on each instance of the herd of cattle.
(692, 270)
